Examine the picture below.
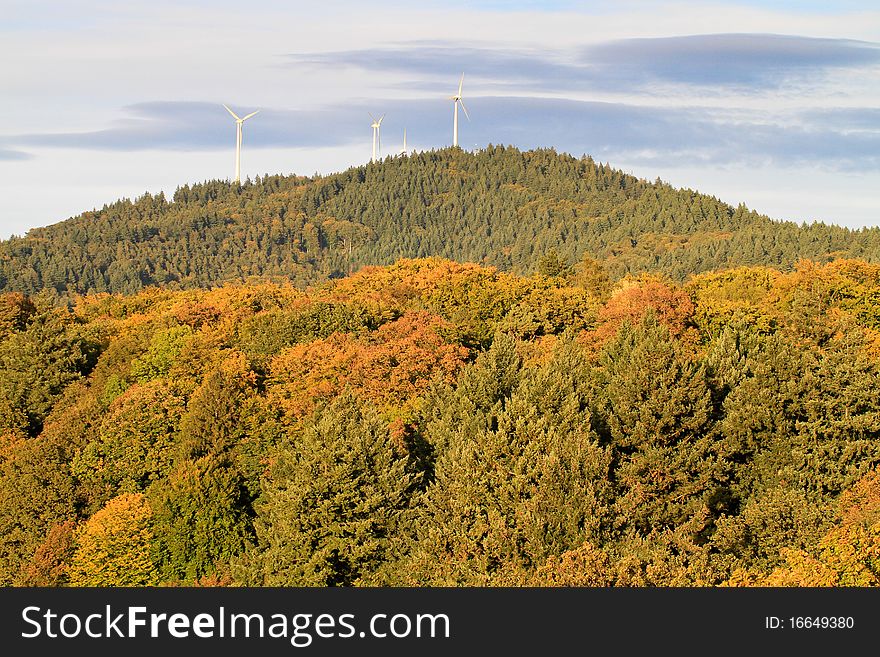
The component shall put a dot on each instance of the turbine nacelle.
(240, 119)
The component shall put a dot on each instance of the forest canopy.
(437, 423)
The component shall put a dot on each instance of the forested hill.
(432, 423)
(499, 206)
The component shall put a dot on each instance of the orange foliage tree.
(637, 297)
(48, 567)
(391, 366)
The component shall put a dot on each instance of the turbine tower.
(456, 101)
(238, 124)
(377, 142)
(403, 150)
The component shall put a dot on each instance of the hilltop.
(500, 207)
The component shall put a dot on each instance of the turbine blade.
(461, 102)
(250, 115)
(234, 115)
(381, 119)
(460, 82)
(372, 118)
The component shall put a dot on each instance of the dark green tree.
(38, 360)
(519, 474)
(552, 264)
(332, 502)
(201, 511)
(659, 417)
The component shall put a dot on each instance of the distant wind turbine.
(238, 124)
(403, 150)
(377, 142)
(456, 101)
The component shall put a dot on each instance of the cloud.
(727, 59)
(846, 119)
(443, 58)
(673, 136)
(8, 155)
(845, 139)
(166, 125)
(756, 61)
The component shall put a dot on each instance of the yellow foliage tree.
(113, 546)
(584, 566)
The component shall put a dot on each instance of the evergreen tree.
(519, 475)
(501, 206)
(551, 264)
(332, 502)
(39, 360)
(659, 417)
(202, 511)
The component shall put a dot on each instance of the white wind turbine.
(238, 124)
(377, 142)
(456, 101)
(403, 150)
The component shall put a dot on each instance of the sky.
(775, 104)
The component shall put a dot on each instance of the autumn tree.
(37, 491)
(636, 298)
(847, 555)
(51, 559)
(591, 276)
(113, 546)
(391, 367)
(133, 445)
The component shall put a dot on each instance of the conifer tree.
(519, 474)
(333, 501)
(552, 264)
(202, 509)
(39, 360)
(659, 417)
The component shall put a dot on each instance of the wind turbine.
(403, 150)
(238, 124)
(456, 101)
(377, 142)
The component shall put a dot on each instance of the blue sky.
(775, 104)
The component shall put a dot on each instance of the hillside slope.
(499, 207)
(433, 423)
